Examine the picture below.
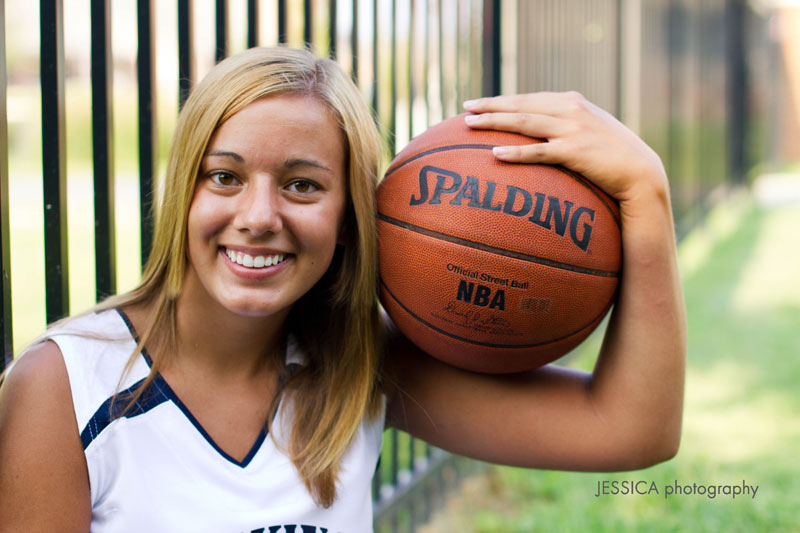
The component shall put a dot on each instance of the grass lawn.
(741, 273)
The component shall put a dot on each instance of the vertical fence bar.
(393, 85)
(619, 20)
(440, 57)
(282, 33)
(102, 147)
(54, 174)
(395, 456)
(332, 29)
(354, 41)
(147, 144)
(376, 480)
(5, 248)
(375, 49)
(425, 61)
(736, 89)
(411, 38)
(222, 30)
(457, 57)
(252, 23)
(308, 22)
(491, 47)
(184, 50)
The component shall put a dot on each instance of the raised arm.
(627, 413)
(44, 483)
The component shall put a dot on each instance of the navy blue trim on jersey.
(112, 408)
(132, 331)
(160, 387)
(167, 390)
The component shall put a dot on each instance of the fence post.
(102, 151)
(221, 24)
(308, 23)
(184, 50)
(283, 36)
(54, 175)
(147, 143)
(333, 16)
(5, 250)
(491, 47)
(354, 41)
(737, 89)
(252, 23)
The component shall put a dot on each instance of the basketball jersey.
(155, 468)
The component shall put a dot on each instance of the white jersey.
(156, 469)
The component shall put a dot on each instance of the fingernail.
(469, 104)
(471, 119)
(500, 151)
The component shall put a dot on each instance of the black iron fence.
(414, 61)
(675, 70)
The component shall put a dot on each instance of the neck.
(225, 343)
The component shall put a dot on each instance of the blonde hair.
(336, 324)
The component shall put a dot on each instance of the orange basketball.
(490, 266)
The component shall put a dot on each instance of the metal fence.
(675, 70)
(414, 62)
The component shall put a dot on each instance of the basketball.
(491, 266)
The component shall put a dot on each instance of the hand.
(579, 135)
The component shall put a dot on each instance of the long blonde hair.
(336, 324)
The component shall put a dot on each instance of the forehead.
(289, 125)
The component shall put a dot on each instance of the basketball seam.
(499, 251)
(577, 177)
(436, 150)
(489, 344)
(591, 186)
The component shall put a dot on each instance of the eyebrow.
(289, 163)
(234, 155)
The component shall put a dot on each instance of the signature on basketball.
(478, 320)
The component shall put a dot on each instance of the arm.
(44, 484)
(627, 413)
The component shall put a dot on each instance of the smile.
(258, 261)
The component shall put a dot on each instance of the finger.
(530, 124)
(551, 153)
(545, 103)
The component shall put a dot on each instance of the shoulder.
(43, 476)
(39, 374)
(35, 394)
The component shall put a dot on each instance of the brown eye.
(302, 186)
(223, 178)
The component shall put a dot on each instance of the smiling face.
(268, 207)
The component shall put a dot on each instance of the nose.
(259, 211)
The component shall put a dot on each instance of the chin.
(251, 309)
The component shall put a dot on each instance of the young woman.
(245, 383)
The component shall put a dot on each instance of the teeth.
(259, 261)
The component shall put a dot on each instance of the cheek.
(320, 233)
(204, 220)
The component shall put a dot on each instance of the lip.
(254, 273)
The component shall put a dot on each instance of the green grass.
(742, 290)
